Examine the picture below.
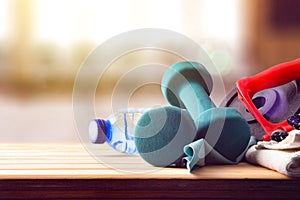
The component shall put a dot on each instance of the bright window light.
(164, 14)
(68, 21)
(220, 19)
(4, 19)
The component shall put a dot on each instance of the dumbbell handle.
(195, 99)
(272, 77)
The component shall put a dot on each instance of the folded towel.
(292, 141)
(284, 161)
(201, 153)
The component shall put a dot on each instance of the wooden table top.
(69, 170)
(69, 161)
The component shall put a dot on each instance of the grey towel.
(284, 161)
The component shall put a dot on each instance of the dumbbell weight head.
(180, 87)
(180, 74)
(232, 101)
(225, 129)
(161, 134)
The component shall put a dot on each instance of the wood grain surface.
(76, 171)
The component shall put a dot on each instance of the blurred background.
(44, 42)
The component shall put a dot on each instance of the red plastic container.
(272, 77)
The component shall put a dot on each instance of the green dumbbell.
(186, 86)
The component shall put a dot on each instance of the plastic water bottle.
(117, 130)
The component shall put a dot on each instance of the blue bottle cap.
(97, 131)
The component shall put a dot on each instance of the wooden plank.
(69, 171)
(67, 161)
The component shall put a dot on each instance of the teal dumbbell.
(186, 86)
